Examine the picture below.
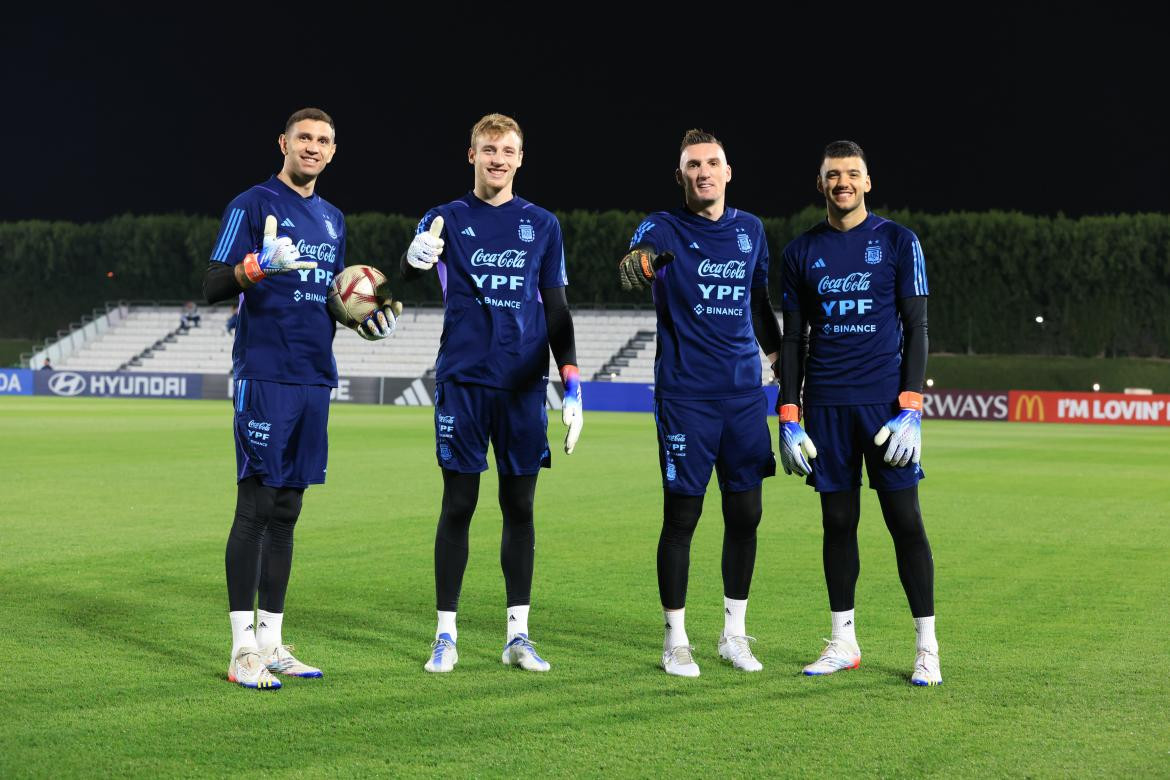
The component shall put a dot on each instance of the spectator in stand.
(233, 320)
(190, 316)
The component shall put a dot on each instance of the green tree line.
(1101, 284)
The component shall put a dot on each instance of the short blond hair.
(493, 125)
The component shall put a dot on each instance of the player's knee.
(287, 505)
(741, 514)
(903, 516)
(680, 517)
(517, 498)
(255, 504)
(840, 513)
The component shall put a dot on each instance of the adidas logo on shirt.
(287, 223)
(467, 231)
(694, 245)
(820, 263)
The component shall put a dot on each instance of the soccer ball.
(354, 294)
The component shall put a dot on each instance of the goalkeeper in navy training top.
(278, 248)
(857, 282)
(707, 266)
(501, 264)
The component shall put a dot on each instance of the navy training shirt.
(495, 262)
(285, 333)
(706, 345)
(847, 285)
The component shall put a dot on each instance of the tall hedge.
(1102, 284)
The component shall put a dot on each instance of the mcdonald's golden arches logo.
(1029, 408)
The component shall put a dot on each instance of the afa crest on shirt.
(873, 253)
(330, 229)
(526, 231)
(744, 241)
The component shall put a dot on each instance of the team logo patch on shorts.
(671, 472)
(444, 451)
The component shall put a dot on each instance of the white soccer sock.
(517, 621)
(734, 616)
(268, 625)
(243, 630)
(843, 627)
(676, 629)
(447, 625)
(925, 628)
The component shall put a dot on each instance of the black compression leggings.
(741, 518)
(841, 512)
(517, 540)
(259, 551)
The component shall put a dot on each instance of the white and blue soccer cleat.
(926, 671)
(520, 652)
(838, 654)
(280, 659)
(248, 669)
(737, 649)
(443, 655)
(680, 662)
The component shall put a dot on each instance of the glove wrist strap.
(252, 268)
(790, 413)
(910, 400)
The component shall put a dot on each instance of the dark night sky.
(122, 113)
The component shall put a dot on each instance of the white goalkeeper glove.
(277, 256)
(904, 432)
(425, 249)
(382, 323)
(571, 412)
(796, 448)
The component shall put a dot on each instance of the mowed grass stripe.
(1050, 544)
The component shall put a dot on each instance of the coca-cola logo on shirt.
(841, 284)
(509, 258)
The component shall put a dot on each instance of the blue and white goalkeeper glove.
(382, 323)
(277, 256)
(796, 448)
(904, 432)
(571, 414)
(425, 249)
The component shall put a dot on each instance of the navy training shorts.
(281, 432)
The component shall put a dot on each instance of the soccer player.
(707, 265)
(279, 246)
(501, 265)
(858, 282)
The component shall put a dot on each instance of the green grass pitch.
(1051, 544)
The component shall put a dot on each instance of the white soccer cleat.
(926, 671)
(248, 669)
(680, 662)
(737, 649)
(520, 652)
(280, 659)
(838, 654)
(443, 655)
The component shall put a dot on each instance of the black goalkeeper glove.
(637, 268)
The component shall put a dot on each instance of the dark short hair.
(695, 136)
(839, 149)
(315, 114)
